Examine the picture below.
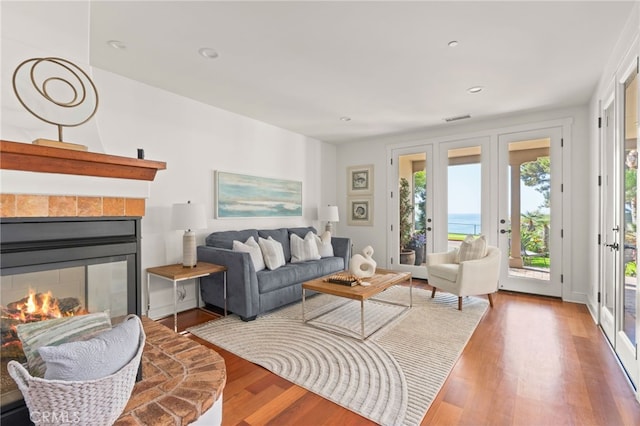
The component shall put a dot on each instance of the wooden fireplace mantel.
(44, 159)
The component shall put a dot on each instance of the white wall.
(193, 138)
(576, 184)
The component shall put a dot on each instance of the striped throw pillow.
(272, 252)
(473, 248)
(303, 250)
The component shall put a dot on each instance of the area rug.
(391, 378)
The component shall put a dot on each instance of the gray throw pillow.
(95, 358)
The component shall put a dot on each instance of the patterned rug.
(391, 378)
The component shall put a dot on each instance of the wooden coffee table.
(382, 280)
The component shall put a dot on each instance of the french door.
(488, 185)
(618, 296)
(411, 211)
(530, 211)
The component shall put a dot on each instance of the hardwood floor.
(531, 361)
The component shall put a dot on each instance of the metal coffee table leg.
(362, 319)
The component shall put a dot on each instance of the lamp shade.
(188, 216)
(329, 214)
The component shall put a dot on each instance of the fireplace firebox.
(73, 265)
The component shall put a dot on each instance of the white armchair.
(471, 277)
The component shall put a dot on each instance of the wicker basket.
(91, 402)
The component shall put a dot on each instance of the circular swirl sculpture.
(56, 91)
(363, 265)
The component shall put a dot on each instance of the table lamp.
(189, 216)
(329, 214)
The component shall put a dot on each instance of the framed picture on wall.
(239, 195)
(360, 211)
(360, 180)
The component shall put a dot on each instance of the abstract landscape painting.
(252, 196)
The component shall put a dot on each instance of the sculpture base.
(58, 144)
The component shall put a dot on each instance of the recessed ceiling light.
(345, 118)
(452, 43)
(208, 53)
(116, 44)
(475, 89)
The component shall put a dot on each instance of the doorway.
(530, 211)
(412, 225)
(618, 226)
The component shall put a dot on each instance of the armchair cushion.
(447, 271)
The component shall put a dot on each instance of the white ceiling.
(386, 65)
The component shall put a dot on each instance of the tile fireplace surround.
(182, 380)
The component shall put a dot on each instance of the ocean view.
(464, 223)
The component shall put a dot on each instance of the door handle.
(504, 231)
(614, 246)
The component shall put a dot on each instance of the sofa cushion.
(296, 273)
(302, 232)
(303, 249)
(279, 278)
(281, 235)
(328, 265)
(224, 239)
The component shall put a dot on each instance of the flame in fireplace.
(39, 305)
(34, 307)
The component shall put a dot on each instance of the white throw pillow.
(325, 249)
(303, 250)
(95, 358)
(472, 248)
(272, 253)
(251, 246)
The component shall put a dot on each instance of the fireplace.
(84, 264)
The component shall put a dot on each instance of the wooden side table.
(177, 272)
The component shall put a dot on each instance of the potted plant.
(407, 255)
(417, 243)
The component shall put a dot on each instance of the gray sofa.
(251, 293)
